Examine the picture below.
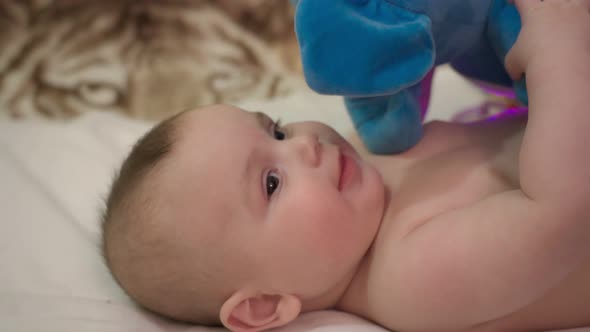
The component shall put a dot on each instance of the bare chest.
(565, 306)
(447, 180)
(456, 178)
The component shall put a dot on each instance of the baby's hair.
(130, 231)
(147, 152)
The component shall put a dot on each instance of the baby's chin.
(381, 194)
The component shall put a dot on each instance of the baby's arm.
(479, 263)
(554, 51)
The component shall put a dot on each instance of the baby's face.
(294, 206)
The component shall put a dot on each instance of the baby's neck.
(393, 170)
(351, 295)
(355, 298)
(331, 298)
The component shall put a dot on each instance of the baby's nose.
(309, 149)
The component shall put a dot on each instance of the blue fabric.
(375, 53)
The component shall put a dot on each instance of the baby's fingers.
(515, 62)
(525, 7)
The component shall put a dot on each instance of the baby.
(221, 216)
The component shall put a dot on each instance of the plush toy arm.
(387, 124)
(373, 53)
(362, 48)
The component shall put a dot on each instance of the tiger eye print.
(146, 59)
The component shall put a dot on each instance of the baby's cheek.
(327, 223)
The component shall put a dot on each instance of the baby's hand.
(550, 28)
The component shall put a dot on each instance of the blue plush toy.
(376, 54)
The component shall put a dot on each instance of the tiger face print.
(147, 59)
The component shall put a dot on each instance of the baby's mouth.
(348, 170)
(340, 169)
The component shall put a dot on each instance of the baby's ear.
(247, 311)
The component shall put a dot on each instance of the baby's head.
(220, 216)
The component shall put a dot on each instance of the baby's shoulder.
(440, 136)
(443, 136)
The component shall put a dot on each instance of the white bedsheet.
(52, 179)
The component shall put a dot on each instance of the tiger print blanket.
(148, 59)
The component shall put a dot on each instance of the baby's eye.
(277, 132)
(272, 183)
